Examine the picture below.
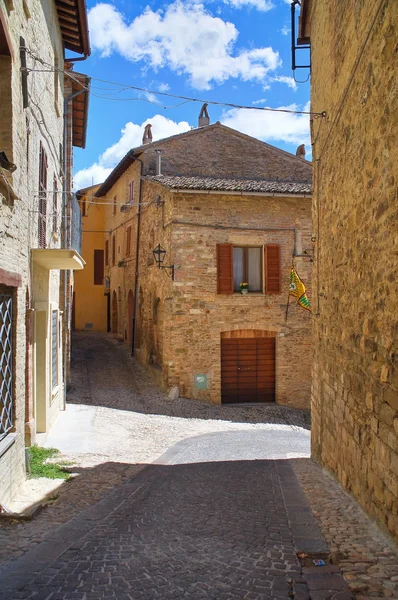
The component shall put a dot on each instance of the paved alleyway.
(217, 515)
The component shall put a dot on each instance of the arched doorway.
(130, 310)
(248, 360)
(114, 324)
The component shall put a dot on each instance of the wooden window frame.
(98, 267)
(131, 193)
(246, 266)
(55, 205)
(42, 215)
(113, 250)
(128, 240)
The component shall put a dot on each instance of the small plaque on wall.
(201, 382)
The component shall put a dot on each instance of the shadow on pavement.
(205, 530)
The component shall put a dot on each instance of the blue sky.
(235, 51)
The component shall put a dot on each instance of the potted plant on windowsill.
(244, 288)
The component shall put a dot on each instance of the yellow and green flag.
(297, 289)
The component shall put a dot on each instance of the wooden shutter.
(272, 269)
(113, 250)
(128, 241)
(107, 252)
(131, 192)
(225, 269)
(43, 165)
(98, 267)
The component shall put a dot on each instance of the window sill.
(249, 294)
(7, 442)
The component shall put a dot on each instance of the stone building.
(355, 374)
(228, 209)
(37, 217)
(91, 302)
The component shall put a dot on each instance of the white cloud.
(163, 87)
(262, 5)
(271, 126)
(285, 30)
(185, 38)
(90, 176)
(131, 138)
(285, 79)
(261, 101)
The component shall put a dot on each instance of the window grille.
(54, 349)
(6, 394)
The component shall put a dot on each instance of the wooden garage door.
(248, 370)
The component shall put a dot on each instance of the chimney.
(300, 152)
(204, 118)
(147, 137)
(158, 162)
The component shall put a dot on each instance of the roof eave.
(74, 26)
(79, 138)
(117, 172)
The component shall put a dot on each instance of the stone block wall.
(355, 373)
(117, 221)
(21, 131)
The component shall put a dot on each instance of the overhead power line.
(185, 99)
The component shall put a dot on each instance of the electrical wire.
(186, 99)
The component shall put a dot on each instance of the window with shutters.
(131, 192)
(128, 241)
(98, 267)
(258, 266)
(42, 223)
(107, 253)
(55, 205)
(114, 250)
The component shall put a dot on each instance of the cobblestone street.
(228, 505)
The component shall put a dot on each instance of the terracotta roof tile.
(232, 185)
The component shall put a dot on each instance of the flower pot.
(244, 291)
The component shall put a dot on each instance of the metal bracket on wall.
(294, 46)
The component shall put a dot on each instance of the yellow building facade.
(90, 303)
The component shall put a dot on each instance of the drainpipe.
(137, 254)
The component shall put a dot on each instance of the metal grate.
(54, 348)
(6, 400)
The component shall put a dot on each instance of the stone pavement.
(120, 422)
(212, 530)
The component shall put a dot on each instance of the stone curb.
(322, 582)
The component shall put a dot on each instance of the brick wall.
(182, 321)
(355, 377)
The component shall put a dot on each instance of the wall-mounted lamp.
(159, 254)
